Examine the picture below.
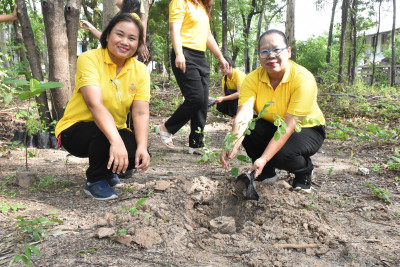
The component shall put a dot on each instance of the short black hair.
(118, 18)
(285, 39)
(229, 60)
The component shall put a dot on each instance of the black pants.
(84, 139)
(194, 87)
(293, 157)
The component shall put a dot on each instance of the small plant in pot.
(25, 91)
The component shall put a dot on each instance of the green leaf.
(28, 252)
(17, 258)
(205, 158)
(7, 99)
(36, 251)
(235, 171)
(148, 216)
(297, 128)
(277, 136)
(16, 82)
(33, 83)
(282, 130)
(26, 261)
(36, 236)
(252, 125)
(49, 85)
(140, 202)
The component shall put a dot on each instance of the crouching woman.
(108, 82)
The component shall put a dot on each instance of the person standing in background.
(191, 35)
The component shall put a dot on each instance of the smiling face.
(122, 41)
(274, 64)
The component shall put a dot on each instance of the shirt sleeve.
(143, 88)
(177, 10)
(87, 71)
(248, 92)
(304, 96)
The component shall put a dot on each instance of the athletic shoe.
(303, 183)
(127, 174)
(114, 180)
(100, 190)
(272, 179)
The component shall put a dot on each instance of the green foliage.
(26, 257)
(44, 183)
(394, 162)
(35, 227)
(5, 207)
(134, 210)
(380, 193)
(82, 253)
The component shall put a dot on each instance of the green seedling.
(7, 206)
(26, 257)
(380, 193)
(330, 170)
(394, 162)
(134, 209)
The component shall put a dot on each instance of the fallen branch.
(297, 246)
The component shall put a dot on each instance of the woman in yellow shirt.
(231, 83)
(291, 92)
(108, 82)
(191, 35)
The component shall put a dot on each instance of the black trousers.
(293, 157)
(194, 87)
(84, 139)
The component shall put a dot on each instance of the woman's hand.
(258, 166)
(226, 156)
(142, 159)
(180, 62)
(144, 52)
(219, 99)
(224, 65)
(86, 25)
(118, 157)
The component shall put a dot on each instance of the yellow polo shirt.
(95, 67)
(237, 80)
(195, 23)
(296, 94)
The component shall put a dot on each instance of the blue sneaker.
(100, 190)
(114, 181)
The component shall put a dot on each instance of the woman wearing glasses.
(108, 82)
(291, 92)
(191, 35)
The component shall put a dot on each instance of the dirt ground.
(192, 216)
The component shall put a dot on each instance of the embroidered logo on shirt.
(132, 88)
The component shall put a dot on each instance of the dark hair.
(131, 6)
(118, 18)
(271, 32)
(229, 60)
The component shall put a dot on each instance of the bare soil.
(193, 217)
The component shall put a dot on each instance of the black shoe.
(303, 183)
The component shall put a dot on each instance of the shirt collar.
(107, 60)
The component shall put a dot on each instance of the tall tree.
(57, 42)
(33, 57)
(109, 11)
(353, 40)
(345, 13)
(224, 12)
(375, 44)
(392, 69)
(72, 13)
(330, 34)
(290, 25)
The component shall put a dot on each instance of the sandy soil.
(193, 217)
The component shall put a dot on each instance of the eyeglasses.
(271, 52)
(118, 92)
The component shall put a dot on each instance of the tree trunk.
(259, 24)
(345, 12)
(72, 12)
(224, 10)
(109, 11)
(57, 42)
(246, 34)
(290, 24)
(354, 39)
(3, 48)
(375, 44)
(330, 36)
(33, 57)
(392, 69)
